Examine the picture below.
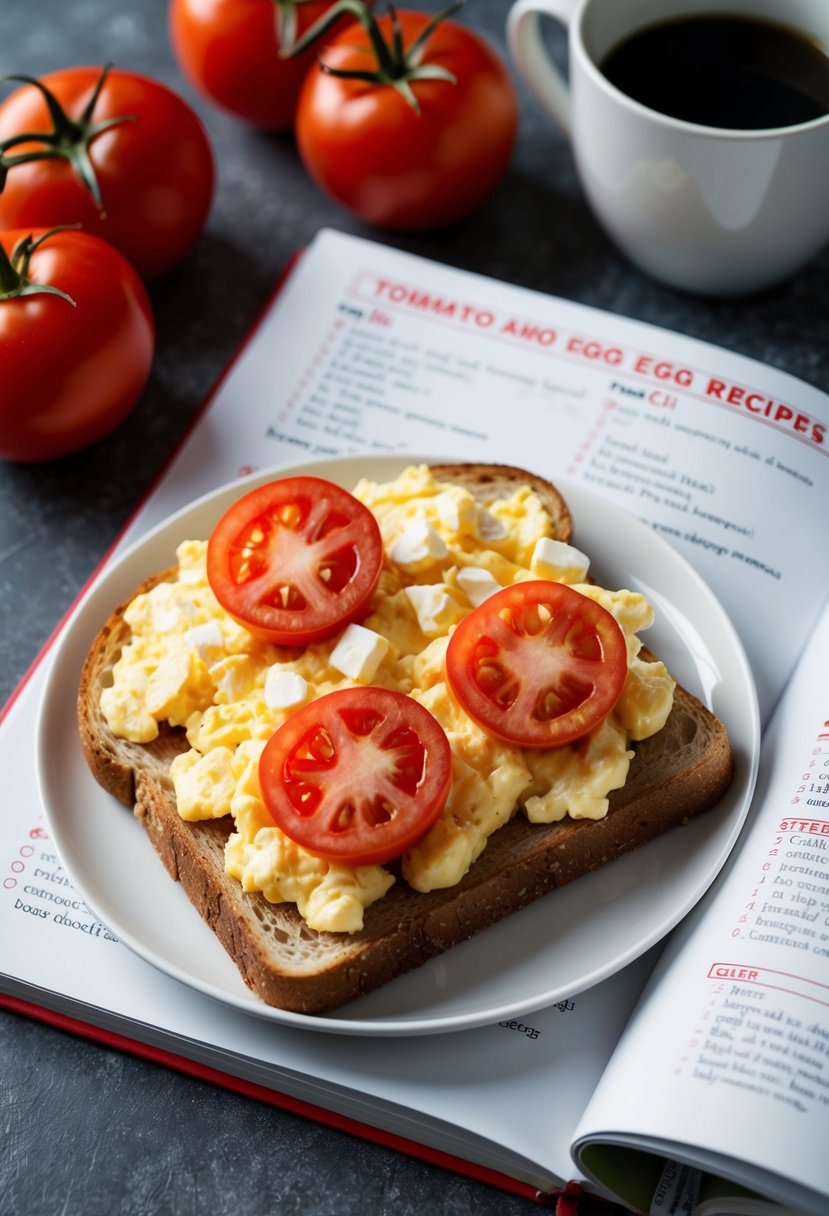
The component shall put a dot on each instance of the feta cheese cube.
(359, 653)
(205, 638)
(233, 675)
(477, 584)
(457, 512)
(561, 562)
(284, 689)
(434, 608)
(490, 526)
(419, 544)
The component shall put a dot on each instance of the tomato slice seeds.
(537, 664)
(357, 776)
(295, 560)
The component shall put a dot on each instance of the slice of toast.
(683, 770)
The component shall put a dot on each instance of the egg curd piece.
(231, 697)
(178, 687)
(488, 779)
(330, 898)
(648, 693)
(180, 656)
(124, 704)
(577, 779)
(204, 785)
(646, 698)
(503, 534)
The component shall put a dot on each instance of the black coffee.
(724, 71)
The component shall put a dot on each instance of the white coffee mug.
(705, 209)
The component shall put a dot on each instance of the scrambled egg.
(192, 665)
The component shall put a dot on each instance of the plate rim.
(401, 1025)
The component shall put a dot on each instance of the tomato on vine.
(76, 340)
(229, 51)
(118, 153)
(410, 120)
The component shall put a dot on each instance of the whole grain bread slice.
(682, 771)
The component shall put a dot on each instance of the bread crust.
(682, 771)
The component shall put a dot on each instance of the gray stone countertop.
(89, 1131)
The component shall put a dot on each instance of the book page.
(369, 349)
(447, 1091)
(730, 1048)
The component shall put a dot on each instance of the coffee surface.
(723, 71)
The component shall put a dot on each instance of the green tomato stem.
(397, 65)
(286, 21)
(69, 139)
(9, 278)
(14, 270)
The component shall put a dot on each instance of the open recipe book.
(657, 1032)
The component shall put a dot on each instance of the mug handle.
(532, 59)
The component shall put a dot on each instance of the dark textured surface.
(87, 1131)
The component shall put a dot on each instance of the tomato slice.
(358, 775)
(537, 664)
(295, 560)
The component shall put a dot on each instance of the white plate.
(558, 947)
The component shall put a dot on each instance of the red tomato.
(537, 664)
(391, 164)
(357, 776)
(295, 560)
(154, 170)
(229, 49)
(71, 369)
